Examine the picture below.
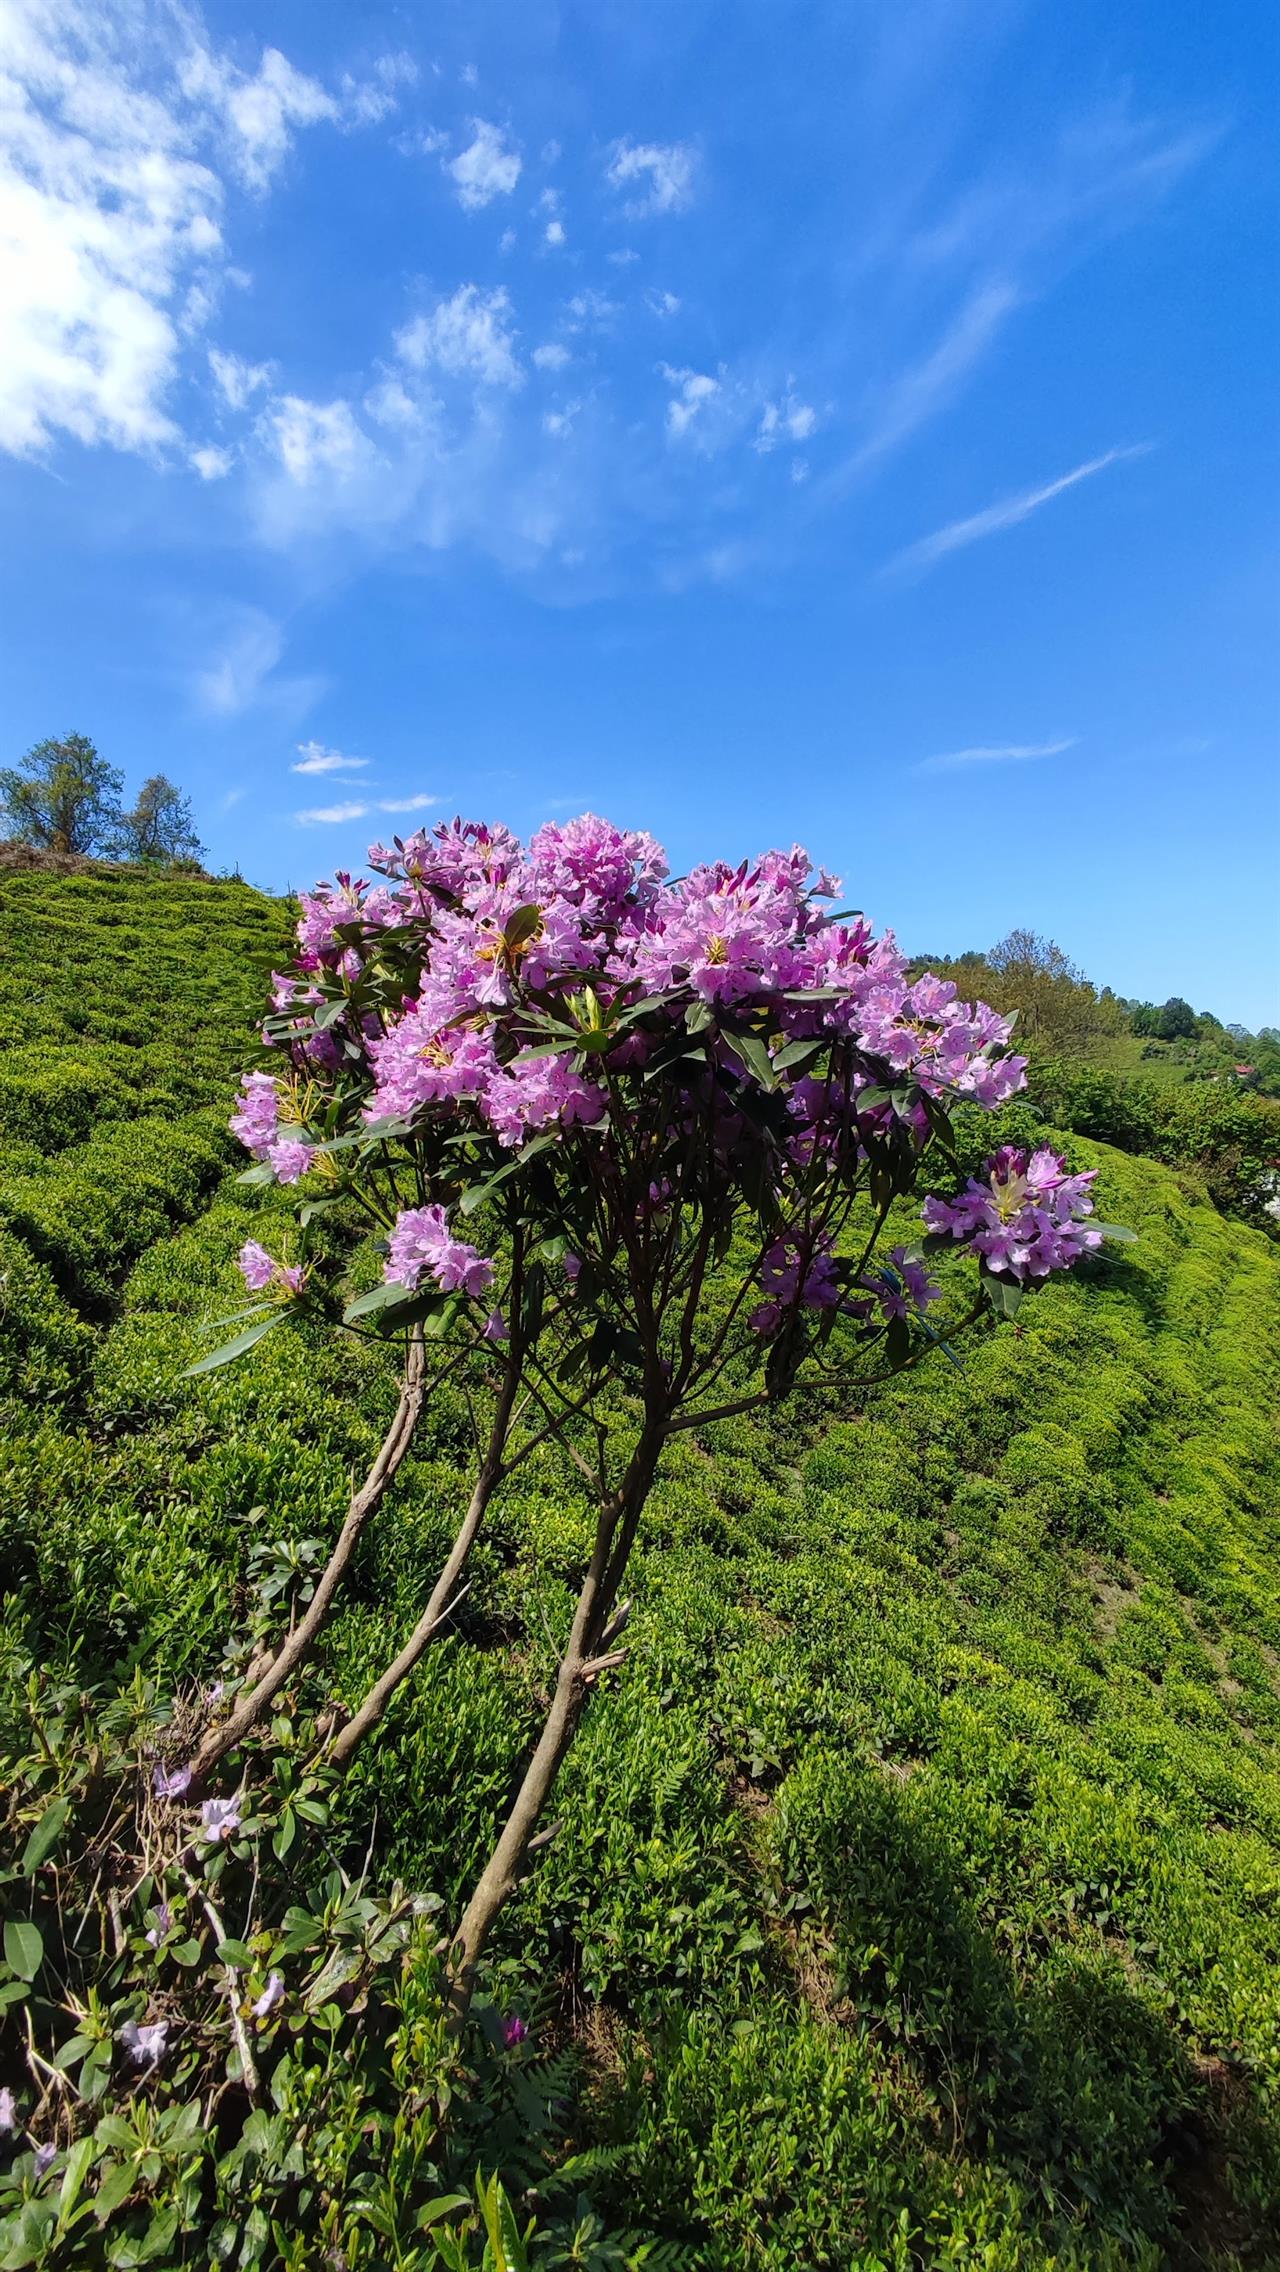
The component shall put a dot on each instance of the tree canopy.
(62, 796)
(160, 825)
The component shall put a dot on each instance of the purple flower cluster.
(1028, 1216)
(257, 1124)
(492, 991)
(790, 1281)
(263, 1274)
(589, 904)
(422, 1244)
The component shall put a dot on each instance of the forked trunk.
(294, 1650)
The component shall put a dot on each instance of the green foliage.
(1226, 1133)
(914, 1902)
(62, 796)
(159, 826)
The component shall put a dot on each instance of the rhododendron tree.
(618, 1132)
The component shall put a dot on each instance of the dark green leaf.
(23, 1947)
(45, 1836)
(230, 1350)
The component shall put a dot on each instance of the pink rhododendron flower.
(289, 1159)
(257, 1119)
(423, 1245)
(261, 1271)
(1026, 1219)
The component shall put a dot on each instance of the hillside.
(917, 1901)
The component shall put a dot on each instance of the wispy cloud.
(993, 753)
(360, 809)
(313, 757)
(662, 172)
(926, 386)
(324, 814)
(1006, 514)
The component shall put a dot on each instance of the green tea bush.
(915, 1898)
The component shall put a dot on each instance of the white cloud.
(315, 758)
(507, 241)
(694, 390)
(664, 171)
(553, 234)
(662, 303)
(116, 123)
(551, 357)
(590, 311)
(312, 438)
(103, 215)
(357, 809)
(237, 678)
(212, 464)
(1005, 515)
(367, 102)
(787, 421)
(995, 753)
(622, 258)
(559, 423)
(468, 336)
(486, 169)
(325, 814)
(237, 380)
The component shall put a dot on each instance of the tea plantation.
(916, 1901)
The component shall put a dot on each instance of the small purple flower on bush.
(170, 1782)
(163, 1925)
(514, 2031)
(219, 1820)
(272, 1995)
(8, 2109)
(146, 2046)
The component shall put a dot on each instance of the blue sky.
(853, 423)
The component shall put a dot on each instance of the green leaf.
(799, 1055)
(699, 1016)
(116, 2187)
(754, 1055)
(1004, 1294)
(230, 1350)
(45, 1836)
(443, 2206)
(1115, 1231)
(23, 1947)
(232, 1951)
(73, 2177)
(521, 924)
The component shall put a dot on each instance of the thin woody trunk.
(585, 1657)
(293, 1651)
(436, 1612)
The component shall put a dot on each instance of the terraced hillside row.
(917, 1896)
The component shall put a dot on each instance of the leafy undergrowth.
(916, 1900)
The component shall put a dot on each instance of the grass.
(917, 1901)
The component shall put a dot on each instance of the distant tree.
(161, 825)
(1144, 1020)
(1058, 1007)
(1177, 1020)
(62, 796)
